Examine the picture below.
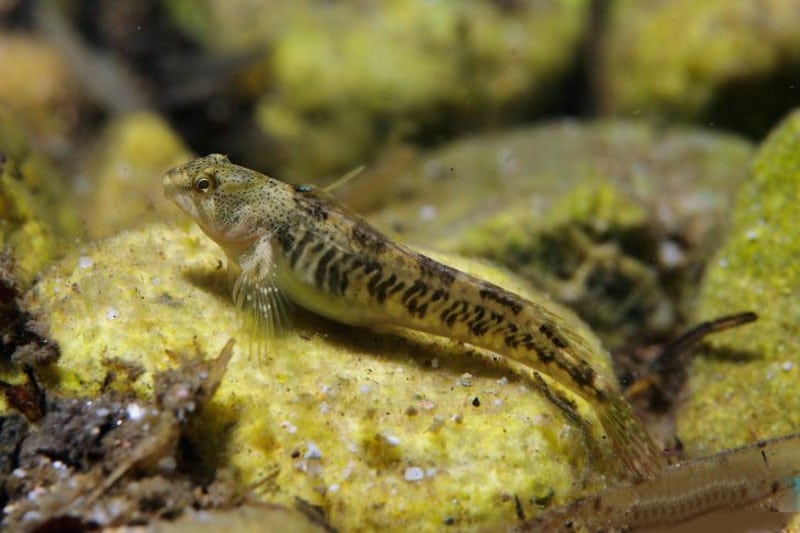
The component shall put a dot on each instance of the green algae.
(744, 385)
(378, 430)
(35, 213)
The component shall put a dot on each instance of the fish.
(295, 244)
(762, 476)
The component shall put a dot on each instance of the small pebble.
(312, 451)
(413, 473)
(135, 411)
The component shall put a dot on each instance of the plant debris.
(23, 339)
(113, 460)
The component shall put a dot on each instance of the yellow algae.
(379, 430)
(753, 371)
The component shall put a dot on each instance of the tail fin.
(629, 439)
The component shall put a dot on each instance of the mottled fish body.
(289, 241)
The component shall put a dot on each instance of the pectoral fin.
(263, 306)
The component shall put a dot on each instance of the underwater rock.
(729, 64)
(119, 186)
(339, 81)
(378, 430)
(38, 86)
(35, 211)
(744, 383)
(615, 219)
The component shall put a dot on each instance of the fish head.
(231, 204)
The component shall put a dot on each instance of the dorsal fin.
(344, 179)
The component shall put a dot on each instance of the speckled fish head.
(220, 196)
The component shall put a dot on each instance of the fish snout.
(169, 184)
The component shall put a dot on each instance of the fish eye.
(204, 184)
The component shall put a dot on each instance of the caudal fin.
(630, 440)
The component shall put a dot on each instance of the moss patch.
(745, 385)
(379, 430)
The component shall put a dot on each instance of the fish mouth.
(176, 193)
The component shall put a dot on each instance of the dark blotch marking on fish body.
(297, 248)
(322, 267)
(548, 331)
(450, 315)
(582, 373)
(374, 279)
(355, 264)
(318, 247)
(344, 281)
(477, 324)
(439, 294)
(368, 238)
(397, 288)
(514, 340)
(479, 328)
(419, 287)
(445, 314)
(336, 280)
(285, 239)
(496, 294)
(545, 356)
(413, 296)
(371, 266)
(435, 270)
(511, 341)
(382, 287)
(312, 206)
(415, 308)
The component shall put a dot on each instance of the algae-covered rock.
(121, 187)
(614, 219)
(36, 83)
(35, 211)
(745, 384)
(378, 430)
(730, 64)
(341, 80)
